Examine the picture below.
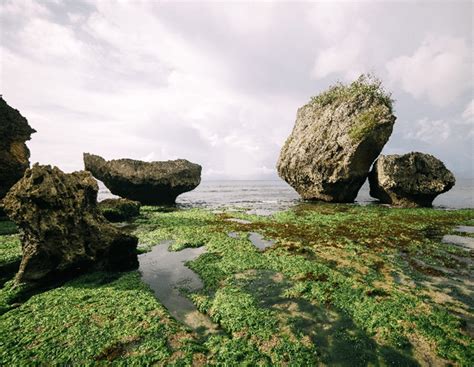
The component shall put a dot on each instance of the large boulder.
(150, 183)
(119, 210)
(336, 138)
(14, 154)
(409, 180)
(63, 231)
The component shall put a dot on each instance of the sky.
(219, 83)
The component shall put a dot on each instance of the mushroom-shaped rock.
(409, 180)
(335, 140)
(150, 183)
(119, 210)
(63, 231)
(14, 154)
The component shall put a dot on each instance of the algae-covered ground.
(342, 285)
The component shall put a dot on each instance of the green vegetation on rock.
(342, 285)
(7, 227)
(365, 87)
(366, 121)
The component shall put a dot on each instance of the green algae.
(343, 284)
(10, 249)
(96, 318)
(7, 227)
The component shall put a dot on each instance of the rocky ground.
(341, 285)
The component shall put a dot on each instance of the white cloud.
(149, 157)
(429, 131)
(50, 42)
(345, 35)
(468, 113)
(440, 69)
(244, 18)
(152, 80)
(23, 8)
(348, 56)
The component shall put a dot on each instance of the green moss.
(366, 121)
(7, 227)
(343, 285)
(96, 318)
(10, 249)
(366, 86)
(119, 210)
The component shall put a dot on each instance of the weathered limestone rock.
(409, 180)
(62, 228)
(119, 210)
(14, 154)
(336, 137)
(150, 183)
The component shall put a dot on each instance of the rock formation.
(336, 137)
(409, 180)
(14, 154)
(150, 183)
(119, 210)
(63, 231)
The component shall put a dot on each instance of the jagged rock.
(119, 210)
(409, 180)
(150, 183)
(14, 154)
(63, 231)
(336, 137)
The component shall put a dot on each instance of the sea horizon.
(268, 196)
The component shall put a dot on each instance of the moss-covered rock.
(63, 232)
(336, 138)
(119, 210)
(14, 154)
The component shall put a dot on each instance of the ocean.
(266, 197)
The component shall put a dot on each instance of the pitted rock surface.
(150, 183)
(63, 231)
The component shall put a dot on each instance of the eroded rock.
(150, 183)
(119, 210)
(409, 180)
(335, 140)
(14, 154)
(63, 231)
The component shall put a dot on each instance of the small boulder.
(335, 140)
(119, 210)
(409, 180)
(63, 231)
(14, 154)
(150, 183)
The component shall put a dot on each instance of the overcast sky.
(219, 83)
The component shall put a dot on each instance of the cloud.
(440, 69)
(348, 57)
(349, 44)
(468, 113)
(217, 83)
(429, 131)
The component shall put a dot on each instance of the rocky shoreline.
(317, 284)
(327, 265)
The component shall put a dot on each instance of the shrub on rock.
(336, 138)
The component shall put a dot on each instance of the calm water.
(265, 197)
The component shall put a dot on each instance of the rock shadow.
(337, 339)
